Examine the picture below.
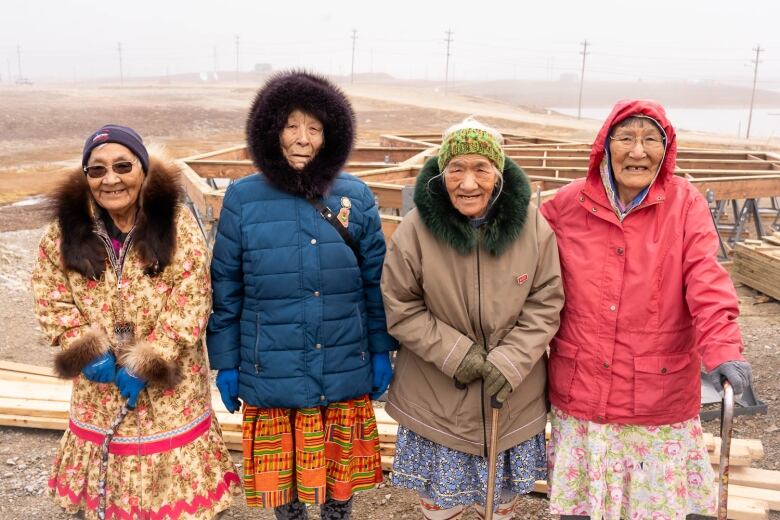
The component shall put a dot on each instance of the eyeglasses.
(98, 171)
(627, 142)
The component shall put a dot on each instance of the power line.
(758, 50)
(584, 53)
(237, 44)
(352, 70)
(447, 64)
(121, 72)
(19, 59)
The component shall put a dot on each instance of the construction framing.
(730, 179)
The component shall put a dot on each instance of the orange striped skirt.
(316, 453)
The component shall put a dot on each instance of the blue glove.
(130, 385)
(102, 369)
(381, 372)
(737, 373)
(227, 384)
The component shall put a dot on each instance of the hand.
(381, 373)
(470, 369)
(496, 384)
(130, 385)
(737, 373)
(102, 369)
(227, 384)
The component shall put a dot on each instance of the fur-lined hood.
(154, 237)
(313, 94)
(505, 219)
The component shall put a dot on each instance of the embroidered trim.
(175, 510)
(148, 444)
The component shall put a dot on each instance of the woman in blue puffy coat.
(298, 331)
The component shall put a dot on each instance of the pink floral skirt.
(632, 472)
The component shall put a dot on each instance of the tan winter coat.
(443, 293)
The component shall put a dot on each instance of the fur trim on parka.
(313, 94)
(154, 238)
(505, 219)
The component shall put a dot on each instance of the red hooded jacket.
(646, 300)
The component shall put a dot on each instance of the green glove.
(496, 384)
(470, 368)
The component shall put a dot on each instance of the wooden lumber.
(770, 496)
(757, 265)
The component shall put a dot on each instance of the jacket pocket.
(658, 383)
(562, 367)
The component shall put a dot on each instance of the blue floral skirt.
(452, 478)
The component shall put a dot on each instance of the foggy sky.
(680, 40)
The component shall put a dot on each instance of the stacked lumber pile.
(33, 397)
(757, 264)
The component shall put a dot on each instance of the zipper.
(484, 344)
(257, 342)
(117, 263)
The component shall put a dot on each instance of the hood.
(313, 94)
(154, 235)
(505, 219)
(622, 110)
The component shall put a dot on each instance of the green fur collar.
(505, 220)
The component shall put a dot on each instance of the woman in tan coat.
(472, 291)
(122, 288)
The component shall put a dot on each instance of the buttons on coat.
(318, 346)
(313, 241)
(605, 364)
(663, 370)
(322, 398)
(317, 293)
(620, 250)
(612, 308)
(594, 209)
(582, 199)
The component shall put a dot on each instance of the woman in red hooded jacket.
(646, 304)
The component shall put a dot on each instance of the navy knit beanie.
(123, 135)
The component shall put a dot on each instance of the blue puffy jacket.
(293, 310)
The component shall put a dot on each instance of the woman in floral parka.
(121, 286)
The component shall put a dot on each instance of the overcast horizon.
(668, 41)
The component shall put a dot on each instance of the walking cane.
(495, 408)
(103, 472)
(726, 417)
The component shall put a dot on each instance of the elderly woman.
(121, 286)
(298, 331)
(473, 291)
(647, 303)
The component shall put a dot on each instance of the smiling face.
(117, 193)
(301, 139)
(636, 150)
(470, 180)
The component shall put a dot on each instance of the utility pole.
(121, 71)
(584, 53)
(19, 59)
(758, 50)
(8, 64)
(447, 64)
(352, 70)
(237, 44)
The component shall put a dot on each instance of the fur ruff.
(313, 94)
(70, 362)
(145, 362)
(505, 219)
(155, 230)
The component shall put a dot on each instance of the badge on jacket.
(522, 279)
(343, 215)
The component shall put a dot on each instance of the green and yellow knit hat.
(471, 136)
